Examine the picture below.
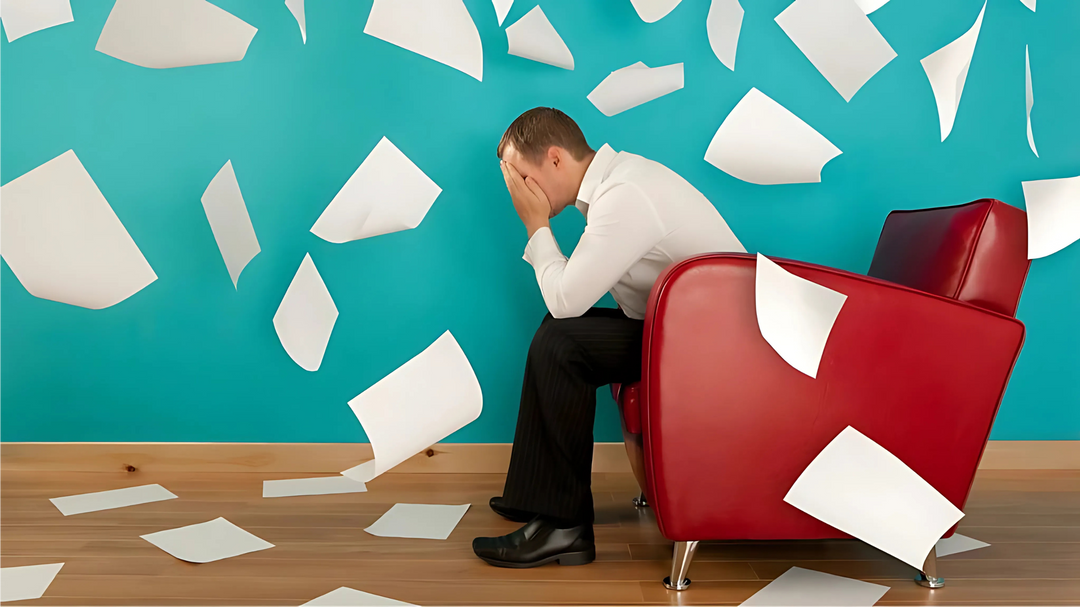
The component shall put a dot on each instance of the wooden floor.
(1031, 518)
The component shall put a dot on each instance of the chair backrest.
(974, 252)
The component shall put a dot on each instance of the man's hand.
(530, 202)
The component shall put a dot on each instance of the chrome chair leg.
(640, 501)
(928, 577)
(680, 565)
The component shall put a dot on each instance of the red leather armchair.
(720, 427)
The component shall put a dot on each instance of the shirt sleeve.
(622, 227)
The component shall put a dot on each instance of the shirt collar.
(594, 175)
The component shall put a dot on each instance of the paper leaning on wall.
(306, 317)
(296, 7)
(533, 37)
(328, 485)
(441, 30)
(947, 70)
(1030, 95)
(723, 25)
(1030, 4)
(25, 583)
(634, 85)
(869, 6)
(957, 544)
(502, 8)
(107, 500)
(418, 521)
(229, 220)
(652, 11)
(22, 17)
(207, 542)
(347, 597)
(1053, 214)
(798, 586)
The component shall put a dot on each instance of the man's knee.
(552, 340)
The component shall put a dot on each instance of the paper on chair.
(762, 142)
(1053, 214)
(860, 488)
(418, 521)
(329, 485)
(869, 6)
(652, 11)
(229, 220)
(173, 33)
(1030, 4)
(420, 403)
(634, 85)
(958, 543)
(107, 500)
(724, 24)
(797, 587)
(387, 193)
(502, 8)
(441, 30)
(64, 242)
(296, 7)
(305, 319)
(22, 17)
(838, 38)
(533, 37)
(1030, 94)
(347, 597)
(947, 69)
(207, 542)
(24, 583)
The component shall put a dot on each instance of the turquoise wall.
(191, 359)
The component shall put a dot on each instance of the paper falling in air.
(533, 37)
(958, 543)
(1053, 215)
(652, 11)
(724, 24)
(305, 319)
(858, 487)
(347, 597)
(762, 142)
(107, 500)
(441, 30)
(296, 7)
(418, 521)
(329, 485)
(64, 242)
(947, 69)
(387, 193)
(22, 17)
(798, 586)
(173, 33)
(794, 315)
(634, 85)
(24, 583)
(229, 220)
(1030, 94)
(869, 6)
(431, 396)
(207, 542)
(1030, 4)
(502, 8)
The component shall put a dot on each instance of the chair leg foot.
(640, 501)
(680, 565)
(928, 577)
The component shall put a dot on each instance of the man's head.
(547, 145)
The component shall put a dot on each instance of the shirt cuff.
(542, 249)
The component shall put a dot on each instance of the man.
(640, 218)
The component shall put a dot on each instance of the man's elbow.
(567, 309)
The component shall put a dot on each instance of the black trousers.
(551, 463)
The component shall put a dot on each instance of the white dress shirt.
(640, 218)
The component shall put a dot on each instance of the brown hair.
(533, 132)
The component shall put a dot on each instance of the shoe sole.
(569, 559)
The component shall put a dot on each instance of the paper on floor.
(1030, 95)
(634, 85)
(24, 583)
(207, 542)
(329, 485)
(860, 488)
(107, 500)
(762, 142)
(794, 315)
(419, 521)
(441, 30)
(724, 24)
(417, 405)
(797, 587)
(502, 8)
(533, 37)
(958, 543)
(22, 17)
(306, 316)
(947, 69)
(296, 7)
(64, 242)
(1053, 214)
(652, 11)
(229, 220)
(347, 597)
(387, 193)
(173, 33)
(869, 6)
(838, 38)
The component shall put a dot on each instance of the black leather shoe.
(539, 542)
(510, 514)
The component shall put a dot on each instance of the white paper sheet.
(724, 24)
(762, 142)
(173, 33)
(634, 85)
(533, 37)
(958, 543)
(869, 6)
(229, 220)
(1053, 214)
(419, 521)
(107, 500)
(1030, 4)
(207, 542)
(64, 242)
(433, 395)
(799, 587)
(652, 11)
(296, 7)
(1030, 94)
(305, 319)
(860, 488)
(387, 193)
(441, 30)
(947, 70)
(29, 582)
(22, 17)
(347, 597)
(502, 8)
(329, 485)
